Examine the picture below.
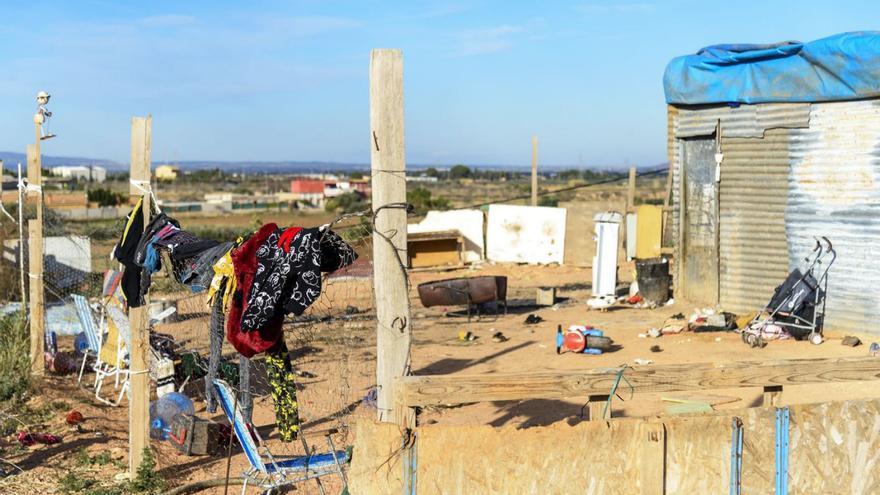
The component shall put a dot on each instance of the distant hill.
(11, 159)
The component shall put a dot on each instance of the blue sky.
(289, 80)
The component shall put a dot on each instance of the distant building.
(316, 190)
(79, 172)
(420, 178)
(167, 173)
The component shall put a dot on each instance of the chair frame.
(268, 474)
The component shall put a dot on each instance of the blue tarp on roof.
(841, 67)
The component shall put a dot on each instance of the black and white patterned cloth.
(290, 281)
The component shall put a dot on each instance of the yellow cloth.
(110, 347)
(223, 271)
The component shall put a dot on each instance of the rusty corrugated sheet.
(753, 196)
(672, 151)
(742, 121)
(834, 190)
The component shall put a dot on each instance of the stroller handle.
(828, 243)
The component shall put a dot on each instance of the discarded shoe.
(533, 319)
(499, 337)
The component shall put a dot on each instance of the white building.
(90, 173)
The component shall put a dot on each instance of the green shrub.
(147, 479)
(15, 373)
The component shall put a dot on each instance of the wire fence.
(328, 379)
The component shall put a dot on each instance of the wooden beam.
(652, 455)
(35, 261)
(388, 160)
(139, 414)
(440, 390)
(534, 170)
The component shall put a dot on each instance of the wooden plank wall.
(835, 448)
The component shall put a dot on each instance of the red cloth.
(244, 260)
(287, 237)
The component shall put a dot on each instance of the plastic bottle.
(163, 410)
(80, 343)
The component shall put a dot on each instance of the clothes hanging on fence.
(244, 262)
(223, 283)
(282, 386)
(197, 271)
(124, 252)
(288, 277)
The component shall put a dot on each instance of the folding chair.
(119, 328)
(273, 474)
(93, 335)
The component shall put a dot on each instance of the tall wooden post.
(35, 259)
(534, 170)
(139, 414)
(387, 153)
(631, 191)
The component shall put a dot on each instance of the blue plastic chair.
(266, 471)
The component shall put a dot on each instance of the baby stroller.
(797, 308)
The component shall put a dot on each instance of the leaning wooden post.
(387, 153)
(35, 259)
(534, 170)
(139, 414)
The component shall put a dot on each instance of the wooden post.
(138, 412)
(631, 191)
(652, 465)
(35, 259)
(771, 396)
(596, 405)
(387, 153)
(534, 170)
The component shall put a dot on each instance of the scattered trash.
(642, 362)
(369, 400)
(634, 299)
(656, 348)
(123, 476)
(28, 439)
(74, 417)
(673, 325)
(305, 374)
(874, 349)
(60, 363)
(163, 410)
(533, 319)
(601, 302)
(717, 339)
(654, 332)
(642, 336)
(851, 341)
(757, 334)
(670, 302)
(466, 336)
(581, 339)
(499, 337)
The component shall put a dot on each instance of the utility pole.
(534, 170)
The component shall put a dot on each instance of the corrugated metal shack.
(770, 146)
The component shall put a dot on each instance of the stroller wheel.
(745, 337)
(816, 338)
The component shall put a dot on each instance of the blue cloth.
(841, 67)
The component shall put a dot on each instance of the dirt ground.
(337, 361)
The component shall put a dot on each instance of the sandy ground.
(338, 358)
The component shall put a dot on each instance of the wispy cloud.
(486, 40)
(313, 25)
(615, 8)
(167, 20)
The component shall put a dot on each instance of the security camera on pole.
(41, 118)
